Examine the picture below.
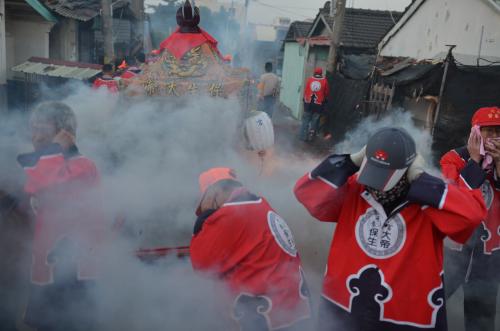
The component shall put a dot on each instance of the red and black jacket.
(458, 168)
(62, 187)
(250, 247)
(316, 90)
(388, 268)
(109, 83)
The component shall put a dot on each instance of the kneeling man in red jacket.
(241, 240)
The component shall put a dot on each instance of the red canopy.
(179, 44)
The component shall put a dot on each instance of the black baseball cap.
(389, 154)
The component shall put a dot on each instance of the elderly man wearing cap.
(475, 264)
(69, 229)
(385, 265)
(241, 240)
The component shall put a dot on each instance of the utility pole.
(107, 30)
(447, 61)
(338, 13)
(3, 60)
(245, 20)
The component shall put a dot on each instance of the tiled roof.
(298, 29)
(78, 9)
(82, 10)
(363, 28)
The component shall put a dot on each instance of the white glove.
(357, 158)
(416, 168)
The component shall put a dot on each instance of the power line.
(280, 9)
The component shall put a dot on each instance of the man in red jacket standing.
(475, 264)
(61, 185)
(241, 240)
(315, 97)
(385, 265)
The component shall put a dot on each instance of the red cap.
(487, 116)
(318, 71)
(211, 177)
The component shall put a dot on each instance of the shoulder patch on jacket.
(281, 233)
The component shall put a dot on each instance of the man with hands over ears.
(385, 266)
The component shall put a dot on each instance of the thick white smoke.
(358, 137)
(150, 153)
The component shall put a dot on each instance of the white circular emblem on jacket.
(315, 86)
(282, 233)
(380, 238)
(488, 193)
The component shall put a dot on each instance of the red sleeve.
(212, 248)
(127, 75)
(96, 84)
(462, 172)
(49, 168)
(454, 210)
(322, 199)
(461, 213)
(327, 89)
(451, 164)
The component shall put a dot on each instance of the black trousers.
(480, 300)
(480, 289)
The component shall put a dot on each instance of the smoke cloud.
(150, 153)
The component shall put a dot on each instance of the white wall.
(26, 39)
(454, 22)
(64, 41)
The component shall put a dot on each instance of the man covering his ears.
(385, 265)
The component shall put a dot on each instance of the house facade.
(68, 30)
(427, 27)
(360, 35)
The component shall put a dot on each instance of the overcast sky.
(264, 11)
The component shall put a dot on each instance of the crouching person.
(61, 184)
(385, 266)
(241, 240)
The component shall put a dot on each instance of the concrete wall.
(26, 39)
(440, 22)
(64, 41)
(293, 77)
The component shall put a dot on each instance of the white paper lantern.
(259, 131)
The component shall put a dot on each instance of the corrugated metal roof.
(83, 10)
(62, 69)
